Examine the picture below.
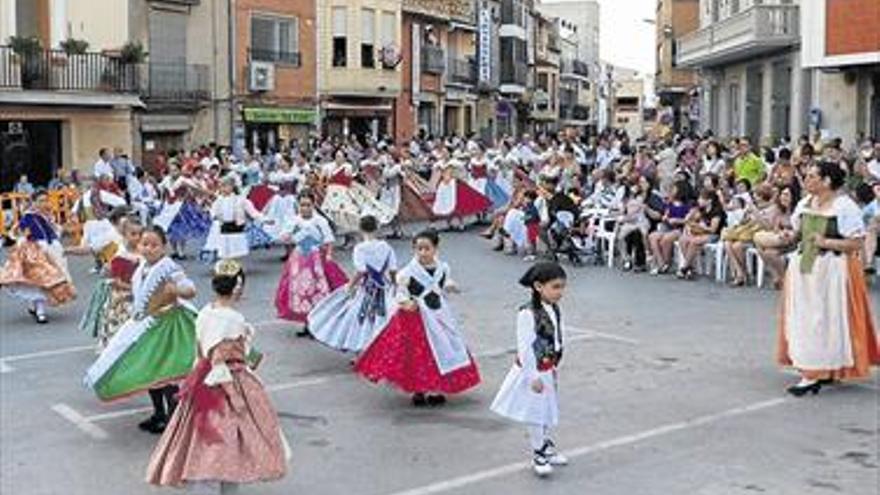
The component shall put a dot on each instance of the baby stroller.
(564, 238)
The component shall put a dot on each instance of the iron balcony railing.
(177, 82)
(577, 67)
(55, 70)
(514, 73)
(433, 59)
(278, 57)
(574, 112)
(463, 70)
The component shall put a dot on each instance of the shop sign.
(266, 115)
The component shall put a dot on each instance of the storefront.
(268, 128)
(369, 117)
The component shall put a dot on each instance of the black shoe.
(498, 247)
(419, 400)
(827, 381)
(304, 333)
(801, 390)
(151, 423)
(436, 400)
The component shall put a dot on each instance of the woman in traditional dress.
(416, 193)
(280, 210)
(94, 208)
(225, 431)
(110, 304)
(529, 392)
(310, 273)
(155, 348)
(346, 201)
(236, 225)
(827, 329)
(351, 316)
(391, 192)
(455, 199)
(35, 270)
(422, 350)
(181, 216)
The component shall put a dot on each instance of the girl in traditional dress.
(346, 201)
(234, 221)
(225, 431)
(280, 210)
(181, 216)
(110, 304)
(827, 329)
(422, 350)
(351, 316)
(455, 199)
(156, 347)
(391, 193)
(94, 209)
(529, 392)
(310, 273)
(35, 270)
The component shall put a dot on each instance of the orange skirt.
(862, 331)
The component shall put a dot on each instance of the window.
(275, 39)
(340, 37)
(389, 28)
(542, 80)
(368, 38)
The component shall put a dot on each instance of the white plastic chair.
(608, 236)
(755, 264)
(718, 258)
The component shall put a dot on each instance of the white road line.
(124, 413)
(5, 368)
(49, 353)
(80, 421)
(602, 335)
(508, 469)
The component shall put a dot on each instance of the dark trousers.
(635, 247)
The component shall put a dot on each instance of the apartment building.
(275, 73)
(545, 115)
(359, 65)
(677, 88)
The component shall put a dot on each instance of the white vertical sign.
(484, 63)
(416, 62)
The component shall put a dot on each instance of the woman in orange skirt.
(826, 329)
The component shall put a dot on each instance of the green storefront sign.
(280, 115)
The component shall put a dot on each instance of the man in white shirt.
(874, 164)
(102, 166)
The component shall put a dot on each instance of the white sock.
(537, 436)
(806, 382)
(40, 307)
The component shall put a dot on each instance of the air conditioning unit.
(261, 76)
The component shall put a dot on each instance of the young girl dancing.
(421, 350)
(529, 392)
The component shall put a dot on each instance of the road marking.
(80, 421)
(602, 335)
(5, 368)
(508, 469)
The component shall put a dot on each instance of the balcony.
(463, 71)
(512, 13)
(433, 60)
(286, 58)
(574, 67)
(176, 83)
(574, 112)
(54, 70)
(756, 31)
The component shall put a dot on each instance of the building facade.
(677, 88)
(275, 78)
(546, 94)
(359, 65)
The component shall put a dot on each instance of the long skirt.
(33, 272)
(348, 321)
(345, 205)
(238, 440)
(826, 328)
(191, 222)
(145, 354)
(402, 355)
(306, 280)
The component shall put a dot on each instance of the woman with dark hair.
(529, 392)
(778, 236)
(703, 226)
(422, 350)
(670, 228)
(826, 330)
(225, 431)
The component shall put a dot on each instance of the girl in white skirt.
(529, 392)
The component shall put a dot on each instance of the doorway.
(31, 148)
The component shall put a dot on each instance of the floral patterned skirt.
(306, 279)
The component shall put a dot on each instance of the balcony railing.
(177, 83)
(287, 58)
(512, 13)
(54, 70)
(576, 67)
(514, 73)
(433, 59)
(568, 97)
(463, 71)
(757, 30)
(574, 112)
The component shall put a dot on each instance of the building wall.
(84, 131)
(293, 85)
(852, 26)
(103, 23)
(353, 79)
(683, 16)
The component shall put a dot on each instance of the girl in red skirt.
(421, 350)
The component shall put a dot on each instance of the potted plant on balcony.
(121, 71)
(28, 52)
(70, 66)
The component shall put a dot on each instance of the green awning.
(280, 115)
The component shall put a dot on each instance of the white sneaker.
(553, 456)
(541, 465)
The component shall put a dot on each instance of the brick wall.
(852, 26)
(293, 85)
(405, 111)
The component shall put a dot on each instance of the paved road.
(668, 387)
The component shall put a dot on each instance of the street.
(667, 387)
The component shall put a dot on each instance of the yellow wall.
(103, 23)
(353, 79)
